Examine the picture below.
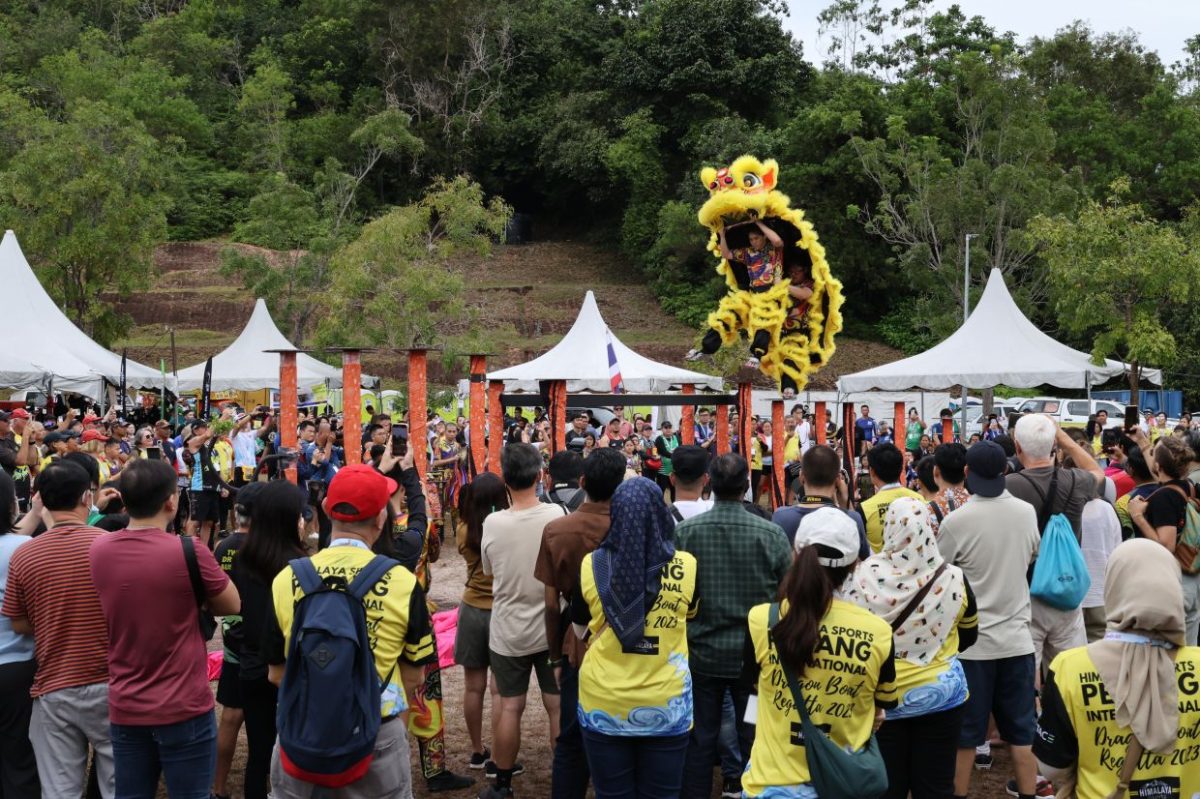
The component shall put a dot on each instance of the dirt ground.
(449, 574)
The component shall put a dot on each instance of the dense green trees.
(299, 126)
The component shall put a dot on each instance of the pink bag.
(445, 628)
(215, 661)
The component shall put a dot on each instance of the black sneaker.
(731, 789)
(478, 759)
(489, 769)
(983, 762)
(448, 781)
(492, 792)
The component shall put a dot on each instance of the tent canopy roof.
(246, 365)
(997, 345)
(52, 347)
(581, 358)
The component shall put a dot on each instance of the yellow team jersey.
(645, 690)
(755, 453)
(939, 684)
(874, 509)
(397, 631)
(854, 674)
(791, 450)
(223, 451)
(1078, 726)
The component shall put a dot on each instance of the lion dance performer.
(780, 292)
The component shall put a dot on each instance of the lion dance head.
(801, 344)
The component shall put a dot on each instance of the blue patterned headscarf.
(628, 565)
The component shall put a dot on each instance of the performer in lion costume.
(781, 294)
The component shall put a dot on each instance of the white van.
(1074, 412)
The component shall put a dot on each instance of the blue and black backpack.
(329, 700)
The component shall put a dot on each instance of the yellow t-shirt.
(223, 451)
(397, 620)
(939, 684)
(647, 690)
(791, 450)
(854, 674)
(874, 509)
(1078, 726)
(755, 453)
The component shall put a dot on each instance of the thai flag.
(614, 371)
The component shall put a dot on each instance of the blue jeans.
(634, 767)
(708, 696)
(569, 775)
(728, 747)
(184, 753)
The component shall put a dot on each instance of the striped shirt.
(50, 583)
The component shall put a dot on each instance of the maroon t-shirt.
(157, 661)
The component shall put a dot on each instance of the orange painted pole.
(947, 431)
(558, 415)
(418, 435)
(352, 406)
(821, 420)
(722, 430)
(289, 401)
(495, 439)
(687, 423)
(899, 426)
(778, 492)
(745, 409)
(477, 418)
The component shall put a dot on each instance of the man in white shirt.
(689, 476)
(517, 645)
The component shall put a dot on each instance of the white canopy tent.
(581, 359)
(247, 365)
(996, 346)
(50, 352)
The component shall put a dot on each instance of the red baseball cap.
(19, 413)
(91, 417)
(359, 491)
(92, 435)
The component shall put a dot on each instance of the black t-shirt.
(258, 614)
(8, 453)
(1166, 506)
(232, 631)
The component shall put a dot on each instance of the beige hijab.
(1142, 596)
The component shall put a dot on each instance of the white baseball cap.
(834, 531)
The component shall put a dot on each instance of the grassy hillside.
(525, 297)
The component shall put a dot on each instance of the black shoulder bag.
(208, 625)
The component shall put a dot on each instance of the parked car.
(1074, 412)
(976, 418)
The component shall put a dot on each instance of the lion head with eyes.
(743, 190)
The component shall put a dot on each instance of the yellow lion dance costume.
(791, 338)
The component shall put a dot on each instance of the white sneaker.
(694, 355)
(752, 363)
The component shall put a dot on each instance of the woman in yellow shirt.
(840, 654)
(1133, 695)
(635, 687)
(919, 739)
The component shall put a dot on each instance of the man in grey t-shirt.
(993, 538)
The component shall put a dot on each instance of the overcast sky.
(1162, 25)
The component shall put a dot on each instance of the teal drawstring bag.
(1060, 575)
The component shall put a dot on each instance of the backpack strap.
(675, 513)
(936, 510)
(193, 568)
(306, 575)
(1045, 512)
(370, 574)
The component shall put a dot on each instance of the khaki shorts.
(390, 774)
(512, 673)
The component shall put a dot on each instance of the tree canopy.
(323, 131)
